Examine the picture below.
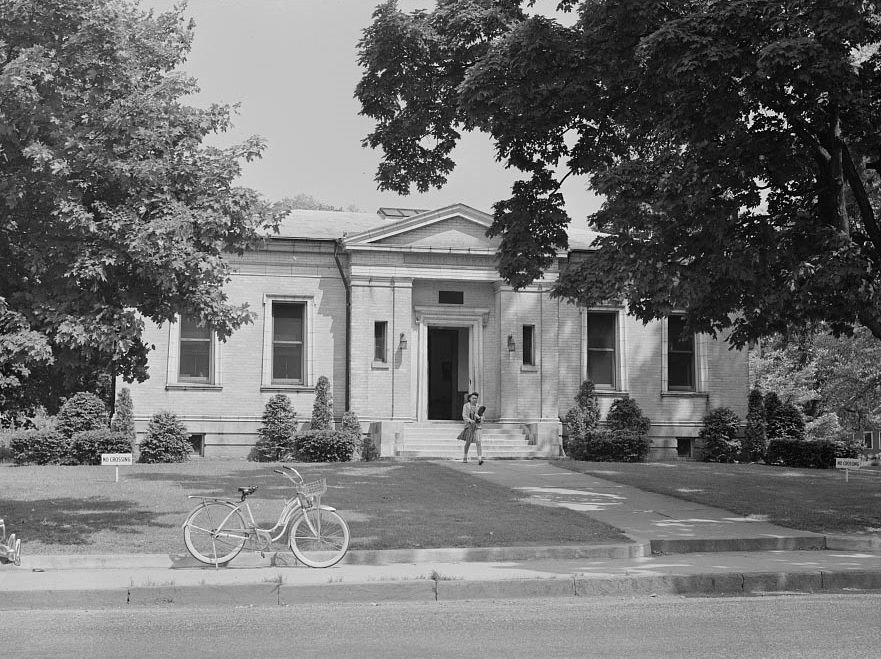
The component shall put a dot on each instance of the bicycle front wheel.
(215, 533)
(321, 541)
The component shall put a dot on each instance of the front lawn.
(388, 505)
(818, 500)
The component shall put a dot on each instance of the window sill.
(609, 393)
(379, 366)
(684, 394)
(528, 368)
(195, 386)
(286, 387)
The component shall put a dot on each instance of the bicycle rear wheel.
(207, 541)
(326, 545)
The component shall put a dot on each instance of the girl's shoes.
(480, 462)
(465, 460)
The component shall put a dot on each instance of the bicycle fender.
(323, 507)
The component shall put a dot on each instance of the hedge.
(818, 454)
(610, 446)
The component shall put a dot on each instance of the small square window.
(683, 447)
(380, 341)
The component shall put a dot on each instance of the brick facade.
(400, 273)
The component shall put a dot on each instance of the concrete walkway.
(697, 550)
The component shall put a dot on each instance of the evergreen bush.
(721, 436)
(625, 414)
(322, 409)
(790, 422)
(82, 411)
(364, 449)
(755, 435)
(772, 415)
(40, 447)
(582, 418)
(86, 447)
(325, 446)
(166, 440)
(123, 421)
(277, 434)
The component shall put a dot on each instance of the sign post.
(847, 464)
(116, 459)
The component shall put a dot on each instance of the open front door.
(448, 371)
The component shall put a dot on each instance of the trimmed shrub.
(39, 447)
(123, 421)
(82, 411)
(625, 414)
(721, 436)
(277, 441)
(772, 414)
(800, 453)
(86, 447)
(322, 409)
(167, 440)
(755, 435)
(610, 446)
(584, 417)
(325, 446)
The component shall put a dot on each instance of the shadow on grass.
(225, 484)
(67, 521)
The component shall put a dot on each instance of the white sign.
(116, 459)
(847, 463)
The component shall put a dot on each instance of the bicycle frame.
(291, 509)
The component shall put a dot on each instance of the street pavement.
(677, 548)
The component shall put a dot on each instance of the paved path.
(670, 525)
(705, 551)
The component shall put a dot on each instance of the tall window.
(380, 341)
(195, 360)
(601, 359)
(287, 342)
(680, 355)
(529, 345)
(867, 439)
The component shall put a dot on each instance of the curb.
(427, 590)
(355, 557)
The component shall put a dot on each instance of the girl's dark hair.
(473, 393)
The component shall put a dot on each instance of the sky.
(292, 65)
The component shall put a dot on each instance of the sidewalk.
(697, 550)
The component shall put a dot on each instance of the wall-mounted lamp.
(511, 345)
(402, 342)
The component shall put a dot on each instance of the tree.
(113, 208)
(825, 374)
(737, 146)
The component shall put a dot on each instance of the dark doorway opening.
(447, 370)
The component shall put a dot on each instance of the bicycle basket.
(313, 489)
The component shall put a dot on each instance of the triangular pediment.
(456, 227)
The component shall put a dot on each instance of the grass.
(81, 510)
(818, 500)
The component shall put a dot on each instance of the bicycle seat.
(247, 491)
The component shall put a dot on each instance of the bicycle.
(218, 529)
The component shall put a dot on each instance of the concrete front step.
(438, 440)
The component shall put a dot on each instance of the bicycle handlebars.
(296, 479)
